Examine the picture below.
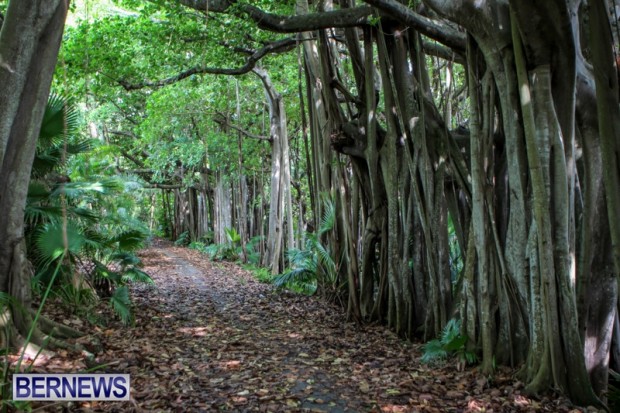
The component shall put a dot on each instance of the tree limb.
(133, 159)
(122, 133)
(437, 50)
(162, 186)
(351, 17)
(279, 46)
(222, 121)
(428, 27)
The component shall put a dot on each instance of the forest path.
(209, 337)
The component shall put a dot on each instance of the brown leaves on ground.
(208, 337)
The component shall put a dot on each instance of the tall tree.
(29, 42)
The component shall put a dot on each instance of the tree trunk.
(280, 205)
(29, 43)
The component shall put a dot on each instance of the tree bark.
(29, 43)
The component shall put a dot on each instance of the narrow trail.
(209, 337)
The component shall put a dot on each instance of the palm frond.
(296, 275)
(79, 189)
(94, 240)
(451, 331)
(49, 240)
(102, 271)
(38, 213)
(61, 117)
(125, 258)
(297, 257)
(433, 350)
(79, 146)
(84, 213)
(135, 275)
(121, 304)
(328, 219)
(37, 191)
(130, 240)
(232, 235)
(298, 279)
(6, 300)
(327, 264)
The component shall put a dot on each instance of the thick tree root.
(57, 330)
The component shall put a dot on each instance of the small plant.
(183, 239)
(252, 250)
(198, 246)
(76, 299)
(260, 273)
(228, 251)
(214, 251)
(232, 249)
(451, 344)
(314, 266)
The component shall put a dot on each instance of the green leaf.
(433, 350)
(130, 240)
(50, 240)
(456, 343)
(121, 304)
(61, 117)
(136, 275)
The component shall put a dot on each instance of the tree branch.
(351, 17)
(122, 133)
(428, 27)
(133, 159)
(279, 46)
(222, 121)
(162, 186)
(436, 49)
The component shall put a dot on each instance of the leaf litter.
(209, 337)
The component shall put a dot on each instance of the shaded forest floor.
(209, 337)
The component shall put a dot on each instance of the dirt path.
(208, 337)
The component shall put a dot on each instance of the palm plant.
(229, 251)
(64, 229)
(313, 266)
(450, 343)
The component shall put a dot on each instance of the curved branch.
(279, 46)
(428, 27)
(353, 17)
(436, 49)
(221, 120)
(287, 24)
